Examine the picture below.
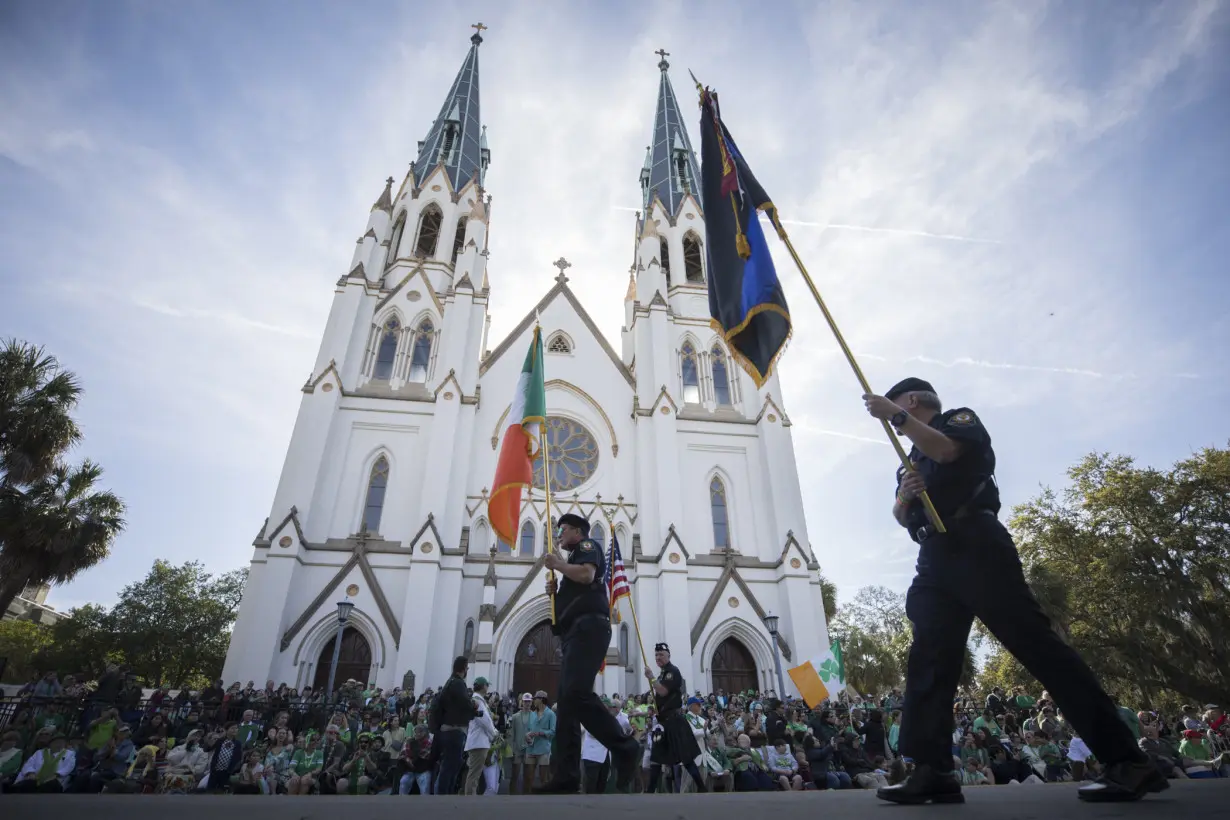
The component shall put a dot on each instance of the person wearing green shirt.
(102, 729)
(1024, 701)
(718, 766)
(987, 721)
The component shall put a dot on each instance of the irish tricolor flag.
(821, 677)
(515, 467)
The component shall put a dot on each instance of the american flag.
(616, 578)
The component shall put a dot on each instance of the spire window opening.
(718, 511)
(429, 232)
(693, 266)
(377, 483)
(446, 146)
(691, 374)
(721, 377)
(386, 353)
(420, 352)
(664, 253)
(459, 239)
(395, 240)
(683, 172)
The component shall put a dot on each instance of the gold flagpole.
(932, 514)
(546, 484)
(610, 525)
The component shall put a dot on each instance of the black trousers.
(974, 571)
(584, 646)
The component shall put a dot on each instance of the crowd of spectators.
(111, 735)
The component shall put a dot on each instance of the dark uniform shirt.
(574, 600)
(956, 484)
(672, 701)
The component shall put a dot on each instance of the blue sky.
(1024, 203)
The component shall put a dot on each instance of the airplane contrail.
(1072, 371)
(866, 228)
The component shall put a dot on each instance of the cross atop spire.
(670, 171)
(455, 139)
(563, 264)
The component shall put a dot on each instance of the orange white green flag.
(515, 468)
(821, 677)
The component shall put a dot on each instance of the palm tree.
(54, 528)
(36, 396)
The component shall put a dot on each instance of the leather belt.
(923, 533)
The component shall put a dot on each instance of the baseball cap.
(481, 682)
(540, 694)
(526, 697)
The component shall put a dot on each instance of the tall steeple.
(670, 169)
(456, 140)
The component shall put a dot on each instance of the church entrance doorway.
(537, 663)
(733, 668)
(355, 661)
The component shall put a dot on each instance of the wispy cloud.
(226, 318)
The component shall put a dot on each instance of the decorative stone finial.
(563, 264)
(663, 54)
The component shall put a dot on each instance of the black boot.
(625, 767)
(925, 785)
(1121, 782)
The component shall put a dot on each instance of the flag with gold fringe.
(746, 301)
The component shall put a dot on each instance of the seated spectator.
(48, 769)
(186, 765)
(783, 767)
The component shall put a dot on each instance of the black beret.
(909, 385)
(661, 647)
(574, 520)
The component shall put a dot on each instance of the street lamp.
(770, 623)
(344, 608)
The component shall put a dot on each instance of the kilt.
(675, 743)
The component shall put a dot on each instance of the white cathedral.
(665, 444)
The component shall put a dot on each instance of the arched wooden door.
(733, 668)
(537, 662)
(355, 661)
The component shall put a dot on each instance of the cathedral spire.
(456, 140)
(670, 170)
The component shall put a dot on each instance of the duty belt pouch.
(930, 533)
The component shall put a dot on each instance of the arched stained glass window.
(721, 376)
(691, 374)
(717, 508)
(597, 533)
(573, 453)
(467, 645)
(527, 538)
(386, 352)
(420, 353)
(623, 645)
(502, 547)
(377, 483)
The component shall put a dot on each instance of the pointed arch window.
(467, 643)
(664, 255)
(559, 344)
(386, 350)
(395, 239)
(682, 172)
(693, 258)
(377, 483)
(721, 376)
(502, 547)
(597, 534)
(527, 538)
(718, 511)
(459, 239)
(623, 644)
(691, 374)
(420, 351)
(429, 231)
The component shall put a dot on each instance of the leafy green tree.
(82, 644)
(173, 626)
(54, 522)
(20, 643)
(1133, 565)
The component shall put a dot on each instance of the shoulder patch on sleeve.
(667, 676)
(964, 417)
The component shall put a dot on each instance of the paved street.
(1196, 800)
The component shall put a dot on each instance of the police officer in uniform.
(583, 622)
(973, 571)
(673, 741)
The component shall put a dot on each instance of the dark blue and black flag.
(745, 297)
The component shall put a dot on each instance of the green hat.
(481, 682)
